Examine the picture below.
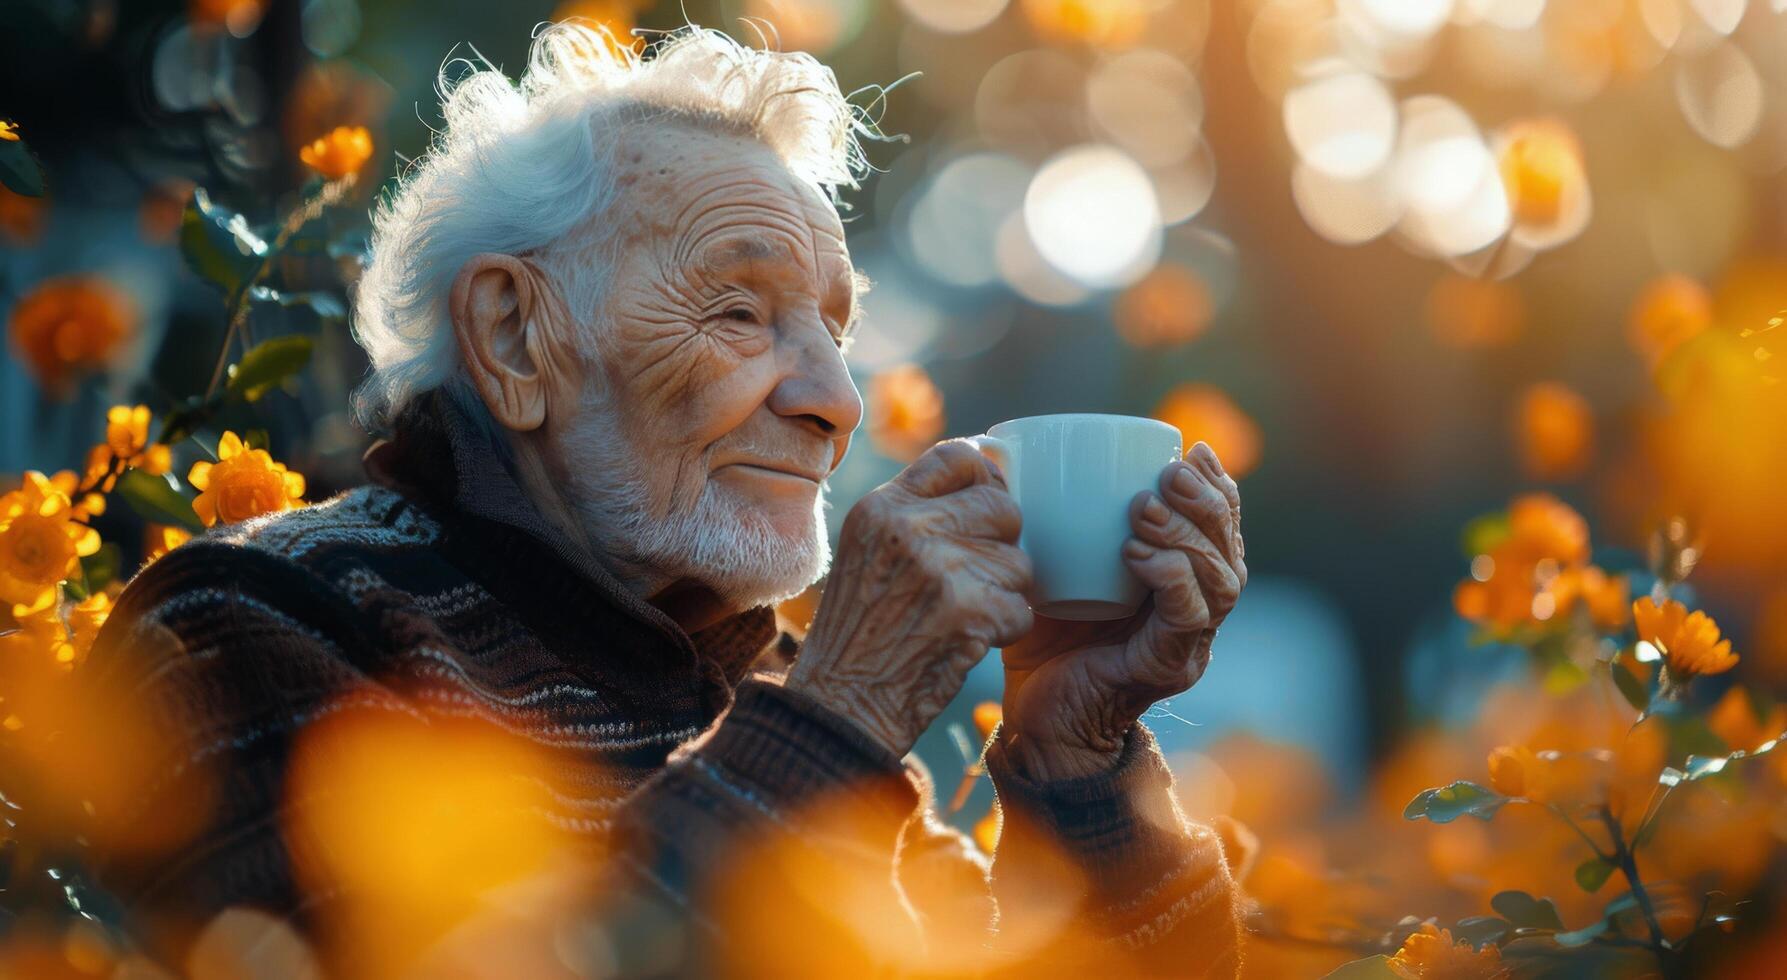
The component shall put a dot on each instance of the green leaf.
(100, 567)
(1635, 691)
(1525, 911)
(218, 244)
(1483, 533)
(1479, 930)
(1370, 968)
(1445, 804)
(19, 170)
(1582, 936)
(155, 499)
(1593, 873)
(268, 363)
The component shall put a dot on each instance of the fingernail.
(1154, 510)
(1184, 481)
(1137, 549)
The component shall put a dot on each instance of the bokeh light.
(905, 411)
(1148, 103)
(1342, 123)
(953, 226)
(1447, 179)
(1468, 313)
(1720, 95)
(1091, 213)
(954, 16)
(1169, 306)
(1205, 413)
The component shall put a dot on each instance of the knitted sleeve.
(217, 655)
(1105, 871)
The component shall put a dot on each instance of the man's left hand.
(1073, 690)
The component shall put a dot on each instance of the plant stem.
(1628, 866)
(1586, 839)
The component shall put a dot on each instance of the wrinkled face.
(721, 401)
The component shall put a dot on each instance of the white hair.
(528, 169)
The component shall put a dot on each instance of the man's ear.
(497, 311)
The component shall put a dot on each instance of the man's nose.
(815, 385)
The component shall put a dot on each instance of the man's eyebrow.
(741, 250)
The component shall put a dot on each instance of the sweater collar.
(437, 453)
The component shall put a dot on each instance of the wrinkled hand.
(927, 578)
(1072, 689)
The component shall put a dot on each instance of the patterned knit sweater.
(439, 593)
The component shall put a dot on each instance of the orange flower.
(127, 436)
(1737, 719)
(1554, 430)
(243, 483)
(1515, 770)
(1168, 306)
(1605, 596)
(340, 154)
(1475, 314)
(1543, 527)
(1430, 954)
(159, 539)
(1541, 168)
(1689, 642)
(70, 325)
(1204, 412)
(40, 542)
(21, 217)
(1671, 310)
(1512, 583)
(905, 412)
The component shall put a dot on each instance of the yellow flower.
(82, 507)
(1430, 954)
(1515, 770)
(1689, 642)
(159, 539)
(9, 131)
(40, 542)
(84, 621)
(340, 154)
(127, 436)
(69, 325)
(243, 483)
(40, 631)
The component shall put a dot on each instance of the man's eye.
(741, 314)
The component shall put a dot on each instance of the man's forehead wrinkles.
(740, 233)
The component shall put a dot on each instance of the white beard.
(722, 542)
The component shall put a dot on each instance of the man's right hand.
(927, 578)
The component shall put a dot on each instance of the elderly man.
(606, 316)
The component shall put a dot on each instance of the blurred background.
(1396, 260)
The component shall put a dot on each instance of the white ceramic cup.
(1073, 476)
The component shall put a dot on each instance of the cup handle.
(1004, 453)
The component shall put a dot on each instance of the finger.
(1192, 493)
(946, 467)
(981, 511)
(1179, 605)
(1213, 571)
(1212, 466)
(1007, 566)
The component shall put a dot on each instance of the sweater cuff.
(794, 750)
(1122, 829)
